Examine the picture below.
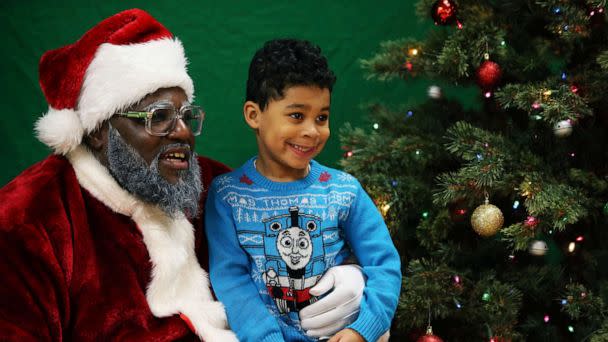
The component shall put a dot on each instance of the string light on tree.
(408, 65)
(598, 10)
(531, 222)
(574, 88)
(458, 210)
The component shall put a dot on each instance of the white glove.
(337, 309)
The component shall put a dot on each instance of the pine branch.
(550, 102)
(602, 60)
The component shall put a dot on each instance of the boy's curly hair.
(284, 63)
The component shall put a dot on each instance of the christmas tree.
(500, 210)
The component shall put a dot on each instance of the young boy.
(275, 224)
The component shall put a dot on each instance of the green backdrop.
(220, 38)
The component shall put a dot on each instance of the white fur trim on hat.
(121, 75)
(60, 129)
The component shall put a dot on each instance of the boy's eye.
(323, 117)
(297, 116)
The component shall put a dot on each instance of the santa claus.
(104, 239)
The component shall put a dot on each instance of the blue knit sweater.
(270, 242)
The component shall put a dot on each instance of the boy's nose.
(311, 130)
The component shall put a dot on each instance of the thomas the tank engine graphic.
(295, 258)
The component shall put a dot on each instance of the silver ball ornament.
(538, 248)
(434, 92)
(563, 128)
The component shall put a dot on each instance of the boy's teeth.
(298, 147)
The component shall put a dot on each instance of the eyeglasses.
(161, 118)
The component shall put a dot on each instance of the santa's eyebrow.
(287, 233)
(302, 233)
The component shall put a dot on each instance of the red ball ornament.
(499, 339)
(429, 337)
(488, 75)
(443, 12)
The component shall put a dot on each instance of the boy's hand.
(347, 335)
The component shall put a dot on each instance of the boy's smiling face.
(290, 131)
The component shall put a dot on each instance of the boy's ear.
(251, 112)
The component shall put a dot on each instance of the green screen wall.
(219, 38)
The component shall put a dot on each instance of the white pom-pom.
(60, 129)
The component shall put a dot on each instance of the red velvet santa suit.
(81, 259)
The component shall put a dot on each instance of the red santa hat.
(114, 65)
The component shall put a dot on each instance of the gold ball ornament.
(487, 219)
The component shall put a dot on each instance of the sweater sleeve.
(230, 276)
(371, 243)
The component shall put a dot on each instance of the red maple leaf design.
(324, 177)
(245, 179)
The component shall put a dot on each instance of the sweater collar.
(259, 179)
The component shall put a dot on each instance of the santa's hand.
(337, 309)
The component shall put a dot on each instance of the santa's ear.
(251, 112)
(98, 139)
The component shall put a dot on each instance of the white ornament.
(434, 92)
(538, 247)
(563, 128)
